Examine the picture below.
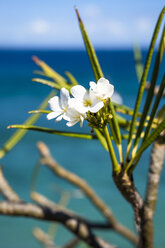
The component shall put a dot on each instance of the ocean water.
(18, 95)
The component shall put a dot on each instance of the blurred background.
(49, 30)
(53, 24)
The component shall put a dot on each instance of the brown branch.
(6, 190)
(43, 238)
(45, 202)
(156, 165)
(88, 191)
(73, 243)
(77, 226)
(128, 189)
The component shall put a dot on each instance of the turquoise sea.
(18, 95)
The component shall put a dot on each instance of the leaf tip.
(8, 127)
(77, 12)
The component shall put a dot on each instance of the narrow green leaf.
(41, 111)
(47, 82)
(98, 73)
(155, 107)
(49, 72)
(41, 73)
(144, 78)
(115, 125)
(68, 134)
(150, 139)
(19, 134)
(90, 50)
(53, 131)
(71, 78)
(101, 139)
(115, 165)
(150, 94)
(138, 61)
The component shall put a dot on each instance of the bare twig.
(5, 189)
(73, 243)
(43, 238)
(77, 226)
(88, 191)
(45, 202)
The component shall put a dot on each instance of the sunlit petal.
(103, 81)
(59, 118)
(95, 108)
(64, 97)
(78, 92)
(92, 85)
(54, 103)
(72, 123)
(53, 115)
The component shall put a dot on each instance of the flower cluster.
(82, 104)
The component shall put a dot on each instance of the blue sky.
(53, 23)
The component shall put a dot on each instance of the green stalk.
(138, 62)
(115, 165)
(90, 50)
(53, 131)
(71, 78)
(144, 146)
(98, 74)
(150, 94)
(143, 80)
(154, 109)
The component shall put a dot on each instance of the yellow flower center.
(87, 102)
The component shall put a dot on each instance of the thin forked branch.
(88, 191)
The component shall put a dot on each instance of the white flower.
(85, 101)
(103, 89)
(58, 105)
(73, 116)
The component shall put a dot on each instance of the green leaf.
(47, 82)
(150, 139)
(155, 107)
(71, 78)
(49, 72)
(90, 50)
(98, 74)
(144, 78)
(53, 131)
(41, 111)
(115, 125)
(138, 61)
(101, 139)
(150, 94)
(19, 134)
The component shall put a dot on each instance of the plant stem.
(115, 165)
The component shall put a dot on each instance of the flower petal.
(78, 92)
(92, 85)
(59, 118)
(64, 97)
(95, 108)
(81, 120)
(110, 90)
(53, 115)
(54, 103)
(77, 105)
(103, 81)
(72, 123)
